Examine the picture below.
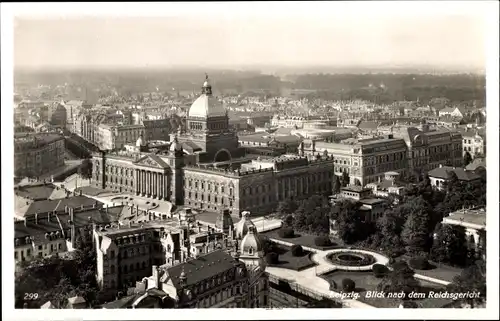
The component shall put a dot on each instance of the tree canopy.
(56, 279)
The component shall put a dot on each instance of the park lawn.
(441, 272)
(300, 238)
(288, 261)
(438, 270)
(366, 281)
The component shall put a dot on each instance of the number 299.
(30, 296)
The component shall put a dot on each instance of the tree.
(286, 232)
(467, 159)
(389, 227)
(85, 169)
(415, 234)
(336, 185)
(450, 245)
(55, 279)
(380, 270)
(272, 258)
(345, 179)
(288, 206)
(322, 241)
(348, 285)
(472, 279)
(350, 224)
(401, 278)
(297, 250)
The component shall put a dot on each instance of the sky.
(336, 39)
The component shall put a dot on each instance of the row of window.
(208, 185)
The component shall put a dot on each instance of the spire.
(207, 88)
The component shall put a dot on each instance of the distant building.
(428, 149)
(58, 115)
(36, 154)
(369, 208)
(440, 175)
(365, 161)
(109, 137)
(54, 230)
(474, 222)
(473, 142)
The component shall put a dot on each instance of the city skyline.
(237, 41)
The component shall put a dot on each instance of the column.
(160, 196)
(141, 173)
(149, 183)
(155, 185)
(136, 172)
(144, 183)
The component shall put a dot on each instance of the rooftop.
(477, 217)
(202, 268)
(35, 192)
(167, 225)
(60, 204)
(462, 174)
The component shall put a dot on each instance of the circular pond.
(351, 258)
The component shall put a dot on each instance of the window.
(15, 255)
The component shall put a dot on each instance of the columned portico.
(151, 183)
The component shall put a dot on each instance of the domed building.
(251, 249)
(208, 129)
(205, 169)
(242, 227)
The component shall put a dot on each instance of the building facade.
(212, 277)
(203, 168)
(428, 149)
(365, 161)
(35, 154)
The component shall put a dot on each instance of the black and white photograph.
(284, 158)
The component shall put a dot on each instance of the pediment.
(150, 161)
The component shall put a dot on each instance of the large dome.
(206, 105)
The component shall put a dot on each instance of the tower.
(251, 252)
(176, 155)
(208, 127)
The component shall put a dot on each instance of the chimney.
(36, 217)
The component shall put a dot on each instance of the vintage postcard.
(281, 157)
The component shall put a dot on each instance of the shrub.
(348, 285)
(419, 263)
(286, 233)
(272, 258)
(288, 220)
(380, 270)
(322, 241)
(297, 250)
(267, 245)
